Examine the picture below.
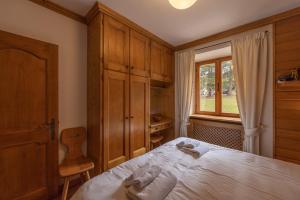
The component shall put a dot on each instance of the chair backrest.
(73, 139)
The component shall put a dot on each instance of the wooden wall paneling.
(116, 45)
(29, 118)
(116, 118)
(274, 91)
(139, 54)
(287, 94)
(94, 93)
(139, 115)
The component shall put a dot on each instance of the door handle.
(51, 127)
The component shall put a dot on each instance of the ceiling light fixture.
(182, 4)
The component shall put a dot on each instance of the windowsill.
(232, 120)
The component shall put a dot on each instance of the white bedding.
(221, 173)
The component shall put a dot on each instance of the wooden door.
(116, 45)
(139, 115)
(156, 61)
(167, 65)
(28, 113)
(139, 54)
(116, 118)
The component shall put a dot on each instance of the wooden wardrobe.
(122, 59)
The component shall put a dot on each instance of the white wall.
(31, 20)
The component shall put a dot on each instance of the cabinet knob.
(131, 117)
(126, 117)
(132, 67)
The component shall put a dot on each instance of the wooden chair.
(75, 162)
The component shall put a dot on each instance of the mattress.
(221, 173)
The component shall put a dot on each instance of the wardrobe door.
(167, 65)
(139, 115)
(156, 61)
(116, 45)
(139, 54)
(116, 118)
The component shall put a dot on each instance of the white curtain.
(184, 84)
(250, 66)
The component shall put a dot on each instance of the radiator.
(218, 134)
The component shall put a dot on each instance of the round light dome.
(182, 4)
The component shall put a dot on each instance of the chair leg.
(87, 174)
(66, 187)
(83, 177)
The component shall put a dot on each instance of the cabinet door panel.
(116, 45)
(167, 65)
(156, 61)
(116, 118)
(139, 54)
(139, 115)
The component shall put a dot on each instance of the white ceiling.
(205, 18)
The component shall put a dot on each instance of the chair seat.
(73, 167)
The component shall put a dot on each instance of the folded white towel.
(142, 177)
(144, 180)
(137, 173)
(183, 144)
(195, 152)
(157, 190)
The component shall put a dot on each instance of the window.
(216, 88)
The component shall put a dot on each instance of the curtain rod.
(229, 41)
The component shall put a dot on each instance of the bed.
(221, 173)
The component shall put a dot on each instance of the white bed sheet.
(219, 174)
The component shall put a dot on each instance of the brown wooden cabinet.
(118, 89)
(139, 54)
(161, 62)
(116, 45)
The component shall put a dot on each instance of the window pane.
(229, 103)
(207, 87)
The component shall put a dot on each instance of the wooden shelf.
(288, 85)
(160, 126)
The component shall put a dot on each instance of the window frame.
(218, 88)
